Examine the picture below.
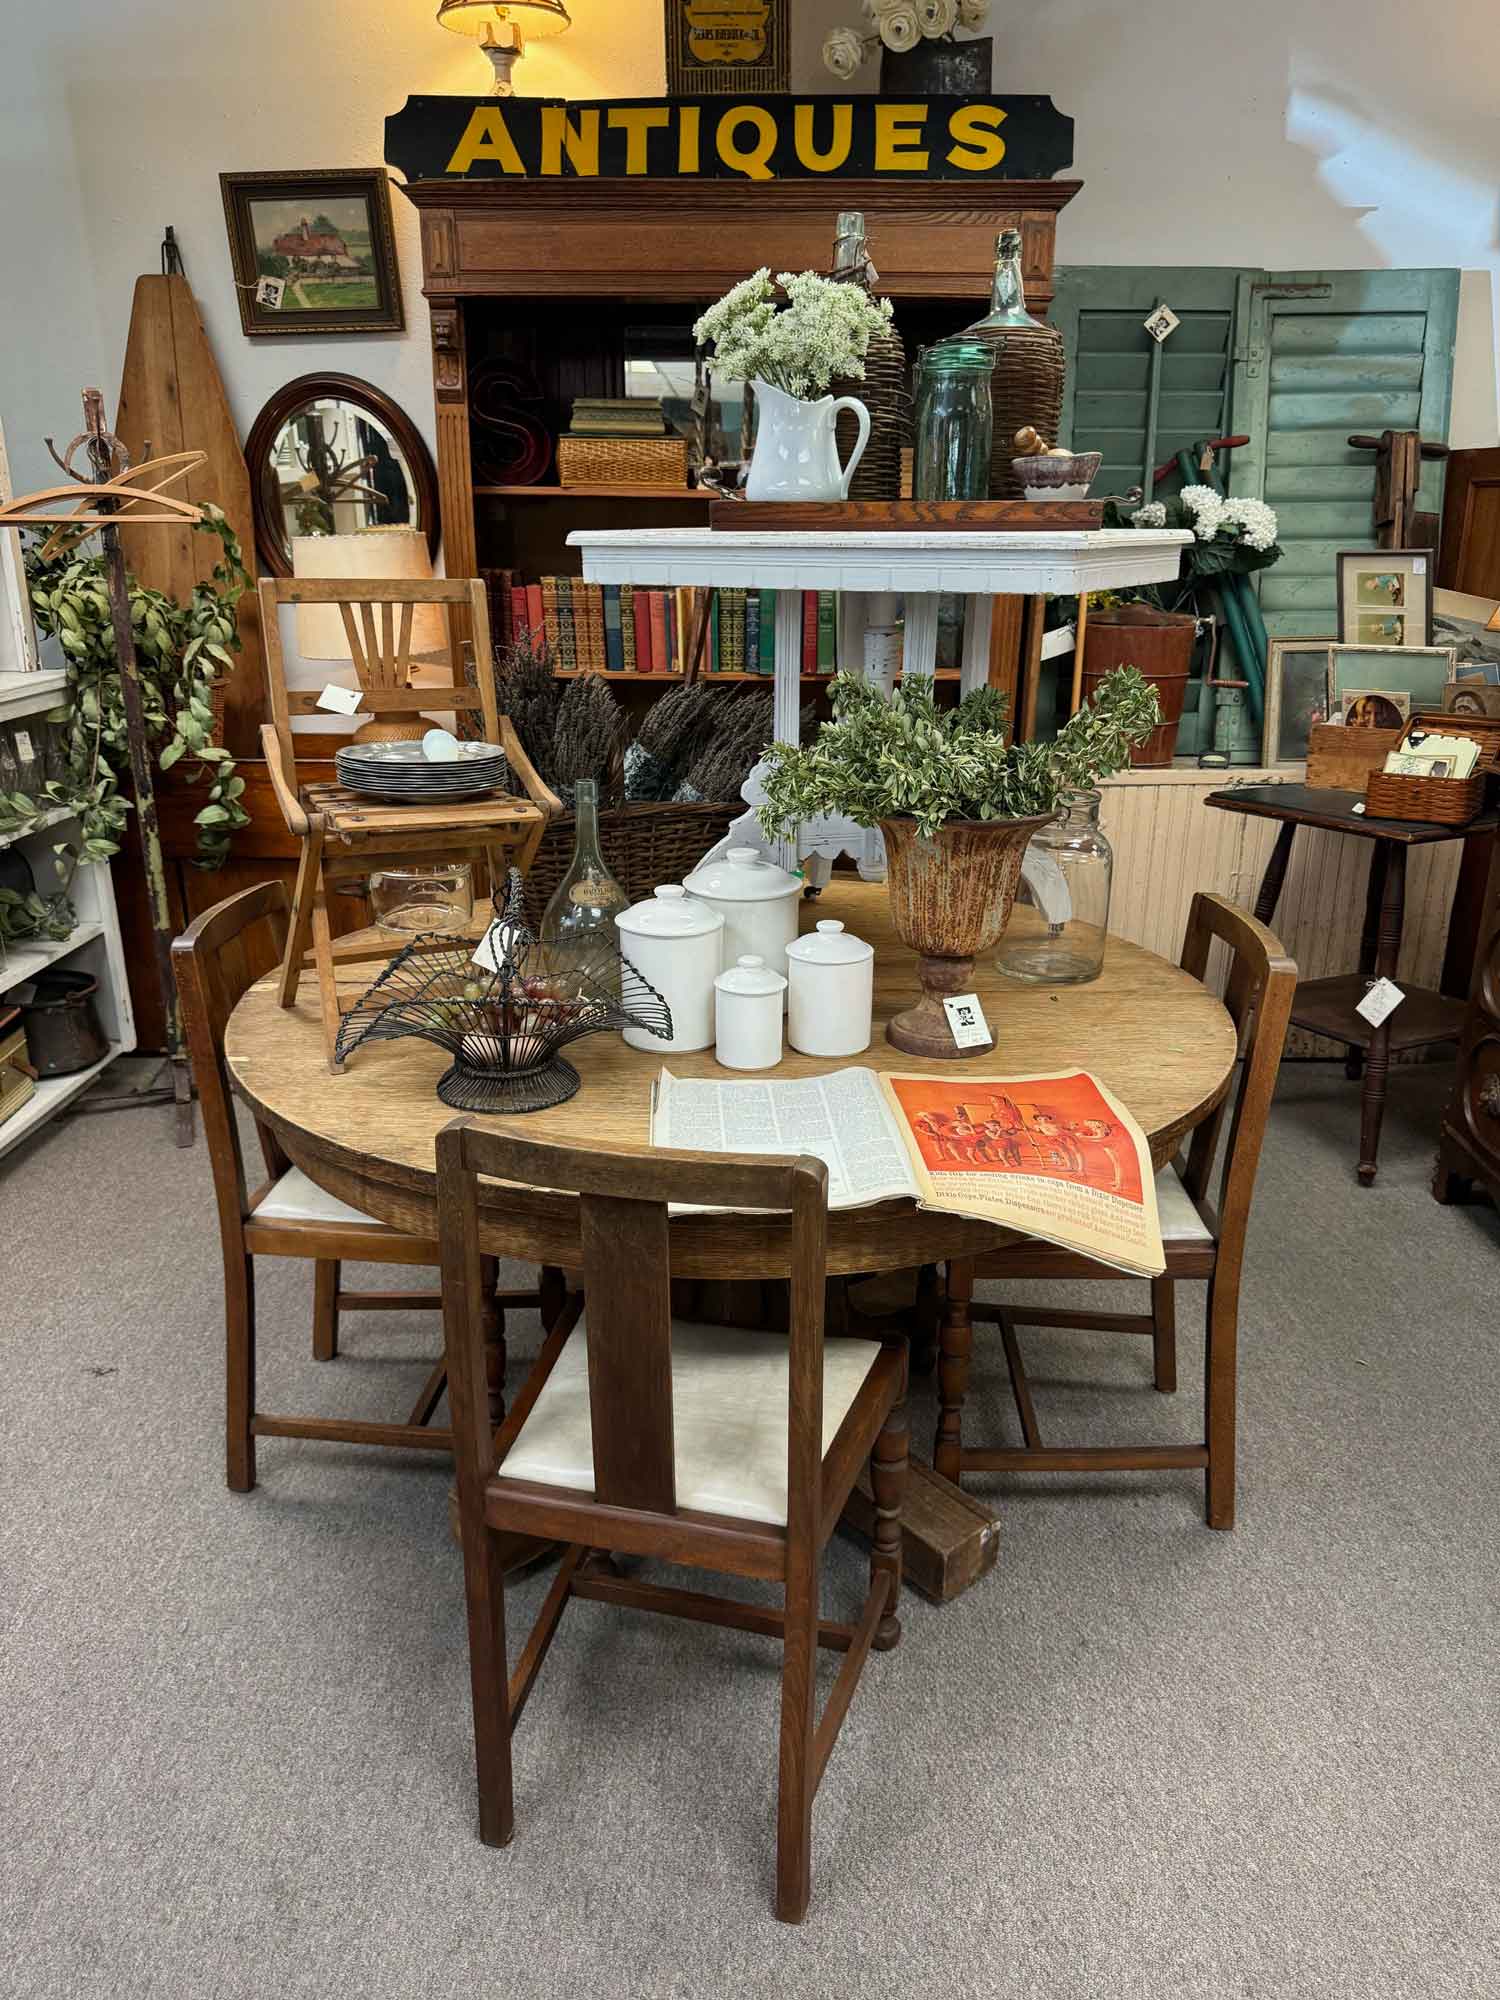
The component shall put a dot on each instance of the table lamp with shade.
(502, 29)
(370, 555)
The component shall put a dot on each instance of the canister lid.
(669, 912)
(830, 944)
(742, 875)
(750, 975)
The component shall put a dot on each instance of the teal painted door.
(1318, 356)
(1136, 400)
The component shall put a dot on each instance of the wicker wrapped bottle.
(1027, 384)
(884, 391)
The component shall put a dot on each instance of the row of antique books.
(623, 628)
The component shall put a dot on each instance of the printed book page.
(1056, 1157)
(841, 1118)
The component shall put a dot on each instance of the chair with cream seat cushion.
(1199, 1240)
(640, 1435)
(215, 960)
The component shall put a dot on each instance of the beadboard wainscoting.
(1168, 844)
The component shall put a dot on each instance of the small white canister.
(832, 992)
(677, 944)
(747, 1014)
(757, 900)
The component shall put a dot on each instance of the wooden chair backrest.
(1261, 984)
(377, 619)
(216, 959)
(622, 1198)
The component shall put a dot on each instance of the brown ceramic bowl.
(1043, 477)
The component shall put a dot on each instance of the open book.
(1056, 1157)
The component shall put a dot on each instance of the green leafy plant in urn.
(957, 803)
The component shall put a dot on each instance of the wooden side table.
(1327, 1006)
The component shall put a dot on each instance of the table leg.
(1270, 883)
(919, 644)
(787, 699)
(979, 618)
(1378, 1056)
(1369, 940)
(956, 1342)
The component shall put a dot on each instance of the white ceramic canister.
(677, 944)
(747, 1014)
(831, 978)
(757, 900)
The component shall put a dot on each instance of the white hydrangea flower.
(822, 332)
(899, 27)
(1255, 521)
(937, 17)
(973, 13)
(1207, 509)
(1152, 515)
(843, 52)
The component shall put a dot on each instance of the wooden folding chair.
(343, 835)
(1199, 1239)
(711, 1447)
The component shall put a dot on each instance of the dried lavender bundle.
(589, 740)
(743, 726)
(669, 738)
(526, 691)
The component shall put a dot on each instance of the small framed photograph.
(1385, 597)
(313, 253)
(1374, 708)
(1417, 675)
(1297, 674)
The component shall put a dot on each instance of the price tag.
(1382, 1000)
(1419, 565)
(497, 944)
(966, 1019)
(22, 742)
(1161, 323)
(270, 292)
(341, 700)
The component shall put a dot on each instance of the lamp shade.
(478, 18)
(374, 555)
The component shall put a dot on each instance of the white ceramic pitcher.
(796, 453)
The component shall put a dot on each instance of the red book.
(661, 644)
(641, 609)
(520, 616)
(534, 616)
(809, 631)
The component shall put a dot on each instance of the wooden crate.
(1340, 759)
(949, 1539)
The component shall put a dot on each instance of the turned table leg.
(1369, 939)
(1378, 1056)
(1270, 883)
(955, 1343)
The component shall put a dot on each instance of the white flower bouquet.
(800, 333)
(1230, 535)
(899, 25)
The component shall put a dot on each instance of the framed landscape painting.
(313, 253)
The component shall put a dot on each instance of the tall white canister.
(831, 996)
(675, 943)
(757, 900)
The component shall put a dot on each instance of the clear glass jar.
(1057, 931)
(423, 896)
(955, 422)
(580, 918)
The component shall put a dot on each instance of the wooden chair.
(288, 1215)
(1201, 1240)
(343, 835)
(706, 1446)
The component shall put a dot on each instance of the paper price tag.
(270, 292)
(1382, 1000)
(1161, 323)
(1419, 565)
(340, 700)
(496, 945)
(966, 1018)
(22, 742)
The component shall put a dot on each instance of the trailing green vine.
(182, 650)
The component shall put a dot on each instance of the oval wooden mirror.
(330, 454)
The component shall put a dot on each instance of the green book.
(714, 663)
(766, 650)
(827, 630)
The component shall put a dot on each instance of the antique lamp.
(503, 27)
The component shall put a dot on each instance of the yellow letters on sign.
(635, 121)
(898, 139)
(485, 138)
(688, 119)
(753, 162)
(838, 146)
(559, 136)
(977, 145)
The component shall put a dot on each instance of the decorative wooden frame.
(372, 184)
(1272, 755)
(284, 405)
(1404, 560)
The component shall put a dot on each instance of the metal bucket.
(63, 1030)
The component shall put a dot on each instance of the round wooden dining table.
(1154, 1035)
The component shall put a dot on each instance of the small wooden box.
(949, 1539)
(1441, 801)
(1340, 759)
(17, 1082)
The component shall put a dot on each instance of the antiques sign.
(725, 46)
(718, 138)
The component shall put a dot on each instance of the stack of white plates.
(404, 774)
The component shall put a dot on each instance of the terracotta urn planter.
(951, 898)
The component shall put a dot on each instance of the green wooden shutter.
(1136, 401)
(1320, 355)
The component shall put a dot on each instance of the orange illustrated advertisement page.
(1056, 1157)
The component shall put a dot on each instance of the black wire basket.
(504, 1012)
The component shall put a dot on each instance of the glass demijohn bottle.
(1057, 931)
(580, 918)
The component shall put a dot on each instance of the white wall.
(1288, 134)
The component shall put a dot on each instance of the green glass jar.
(955, 420)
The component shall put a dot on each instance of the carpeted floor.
(1139, 1760)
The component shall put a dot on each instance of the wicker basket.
(886, 393)
(1026, 387)
(1439, 801)
(643, 844)
(622, 461)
